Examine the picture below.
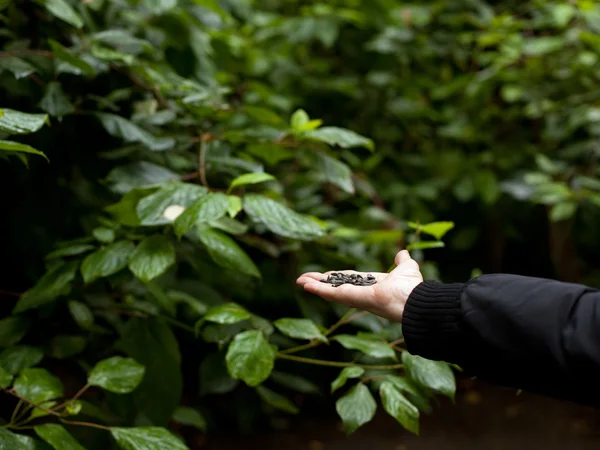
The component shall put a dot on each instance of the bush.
(203, 153)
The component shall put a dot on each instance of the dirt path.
(484, 418)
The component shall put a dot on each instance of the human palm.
(386, 298)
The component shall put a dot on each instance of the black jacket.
(528, 333)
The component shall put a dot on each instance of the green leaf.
(18, 67)
(335, 172)
(208, 208)
(398, 406)
(147, 438)
(270, 152)
(403, 384)
(563, 211)
(226, 252)
(125, 211)
(434, 375)
(55, 102)
(81, 314)
(299, 329)
(57, 437)
(20, 357)
(64, 54)
(346, 374)
(295, 382)
(12, 330)
(5, 380)
(340, 137)
(299, 119)
(356, 408)
(263, 115)
(11, 441)
(159, 6)
(62, 10)
(106, 261)
(151, 209)
(72, 250)
(543, 45)
(38, 385)
(152, 257)
(16, 122)
(64, 347)
(54, 283)
(251, 178)
(229, 225)
(424, 245)
(212, 5)
(280, 219)
(562, 14)
(435, 229)
(276, 400)
(235, 205)
(250, 358)
(190, 417)
(120, 127)
(104, 235)
(117, 374)
(368, 345)
(228, 313)
(11, 146)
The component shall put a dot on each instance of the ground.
(484, 417)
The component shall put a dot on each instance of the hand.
(386, 298)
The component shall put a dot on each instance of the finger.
(354, 296)
(402, 257)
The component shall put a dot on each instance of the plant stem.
(202, 163)
(85, 424)
(14, 394)
(300, 348)
(15, 413)
(178, 324)
(27, 52)
(320, 362)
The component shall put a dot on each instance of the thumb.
(402, 257)
(404, 261)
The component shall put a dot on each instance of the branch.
(320, 362)
(85, 424)
(27, 52)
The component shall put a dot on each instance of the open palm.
(386, 298)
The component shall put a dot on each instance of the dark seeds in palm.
(337, 279)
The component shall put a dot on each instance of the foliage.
(203, 153)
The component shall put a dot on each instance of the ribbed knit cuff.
(431, 321)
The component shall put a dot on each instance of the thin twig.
(14, 394)
(320, 362)
(27, 52)
(396, 342)
(202, 163)
(14, 415)
(85, 424)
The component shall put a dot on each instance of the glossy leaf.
(151, 209)
(5, 378)
(209, 208)
(64, 54)
(299, 119)
(16, 147)
(228, 313)
(346, 374)
(368, 345)
(146, 438)
(299, 329)
(117, 374)
(18, 67)
(120, 127)
(55, 102)
(20, 357)
(335, 172)
(62, 10)
(13, 441)
(280, 219)
(107, 261)
(38, 385)
(340, 137)
(57, 437)
(72, 250)
(434, 375)
(226, 252)
(398, 406)
(104, 235)
(250, 178)
(54, 283)
(16, 122)
(191, 417)
(235, 205)
(436, 229)
(250, 358)
(152, 257)
(276, 400)
(12, 330)
(81, 314)
(356, 408)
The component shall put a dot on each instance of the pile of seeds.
(337, 279)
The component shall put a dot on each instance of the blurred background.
(484, 114)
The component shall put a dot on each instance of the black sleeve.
(528, 333)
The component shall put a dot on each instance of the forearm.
(527, 333)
